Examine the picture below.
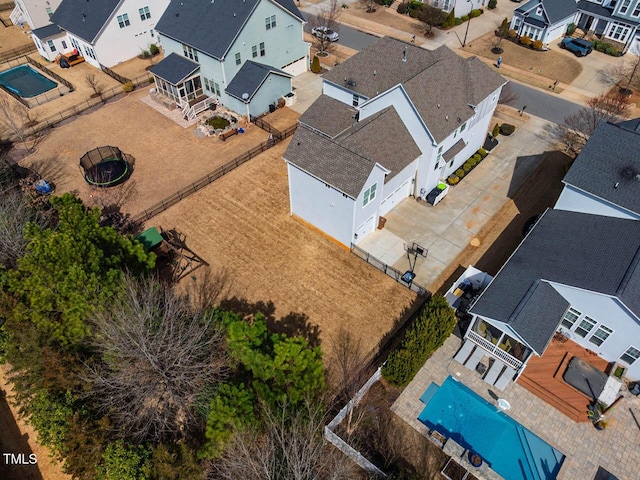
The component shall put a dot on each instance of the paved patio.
(615, 448)
(451, 225)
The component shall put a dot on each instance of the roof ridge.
(315, 131)
(631, 270)
(523, 301)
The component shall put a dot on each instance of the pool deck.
(614, 448)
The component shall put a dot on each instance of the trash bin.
(272, 108)
(381, 222)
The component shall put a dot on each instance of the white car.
(325, 33)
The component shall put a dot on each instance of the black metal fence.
(388, 269)
(119, 78)
(17, 52)
(6, 6)
(211, 177)
(54, 75)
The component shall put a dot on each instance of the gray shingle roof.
(610, 157)
(592, 7)
(47, 31)
(590, 252)
(527, 6)
(84, 18)
(249, 78)
(211, 26)
(174, 68)
(328, 116)
(633, 124)
(440, 83)
(559, 9)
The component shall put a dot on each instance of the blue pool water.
(25, 81)
(510, 449)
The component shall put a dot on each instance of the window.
(570, 317)
(355, 100)
(144, 12)
(270, 22)
(618, 32)
(464, 125)
(189, 52)
(435, 167)
(586, 324)
(216, 88)
(64, 45)
(206, 85)
(49, 11)
(254, 51)
(369, 194)
(238, 59)
(123, 20)
(636, 11)
(625, 6)
(630, 356)
(75, 43)
(52, 46)
(89, 51)
(601, 335)
(262, 49)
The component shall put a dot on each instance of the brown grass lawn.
(550, 64)
(386, 16)
(241, 223)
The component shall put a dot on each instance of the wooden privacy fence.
(211, 177)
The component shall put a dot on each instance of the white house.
(36, 13)
(240, 53)
(394, 120)
(461, 7)
(105, 32)
(545, 20)
(605, 178)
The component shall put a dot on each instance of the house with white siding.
(104, 32)
(36, 13)
(545, 20)
(241, 54)
(394, 120)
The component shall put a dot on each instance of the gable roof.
(609, 165)
(47, 31)
(555, 10)
(442, 85)
(346, 161)
(329, 116)
(84, 18)
(174, 68)
(212, 26)
(250, 77)
(591, 252)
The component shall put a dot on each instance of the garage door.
(634, 48)
(296, 68)
(396, 197)
(363, 230)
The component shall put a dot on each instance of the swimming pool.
(510, 449)
(26, 82)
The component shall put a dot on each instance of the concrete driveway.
(446, 229)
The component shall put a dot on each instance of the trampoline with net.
(106, 166)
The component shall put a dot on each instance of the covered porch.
(498, 343)
(178, 79)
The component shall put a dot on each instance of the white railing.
(496, 351)
(190, 112)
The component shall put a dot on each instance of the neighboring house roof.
(599, 10)
(250, 77)
(555, 10)
(346, 161)
(329, 116)
(525, 7)
(47, 31)
(441, 84)
(174, 68)
(454, 150)
(590, 252)
(633, 124)
(211, 26)
(608, 166)
(84, 18)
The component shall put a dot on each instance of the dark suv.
(577, 45)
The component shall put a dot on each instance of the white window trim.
(626, 352)
(370, 194)
(604, 329)
(588, 320)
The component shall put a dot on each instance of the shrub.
(414, 13)
(496, 130)
(503, 31)
(525, 40)
(451, 19)
(512, 33)
(482, 152)
(464, 18)
(460, 172)
(492, 4)
(415, 5)
(507, 129)
(146, 54)
(571, 28)
(457, 21)
(475, 13)
(402, 8)
(153, 49)
(537, 44)
(467, 166)
(386, 3)
(315, 64)
(427, 333)
(128, 87)
(477, 157)
(453, 180)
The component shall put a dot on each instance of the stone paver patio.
(614, 449)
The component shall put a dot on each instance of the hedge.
(427, 333)
(507, 129)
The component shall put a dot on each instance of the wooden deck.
(543, 377)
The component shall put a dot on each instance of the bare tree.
(368, 5)
(576, 129)
(157, 357)
(15, 214)
(92, 81)
(292, 447)
(15, 120)
(625, 75)
(327, 18)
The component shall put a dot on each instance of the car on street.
(325, 33)
(577, 45)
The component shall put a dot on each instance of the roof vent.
(404, 55)
(616, 185)
(459, 120)
(446, 118)
(374, 73)
(438, 105)
(350, 82)
(627, 172)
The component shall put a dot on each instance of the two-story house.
(545, 20)
(240, 53)
(461, 7)
(616, 21)
(104, 32)
(394, 120)
(36, 13)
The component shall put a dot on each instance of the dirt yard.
(241, 223)
(167, 156)
(386, 16)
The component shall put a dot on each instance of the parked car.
(577, 45)
(325, 33)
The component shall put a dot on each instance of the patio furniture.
(494, 372)
(473, 361)
(505, 378)
(229, 133)
(506, 345)
(464, 352)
